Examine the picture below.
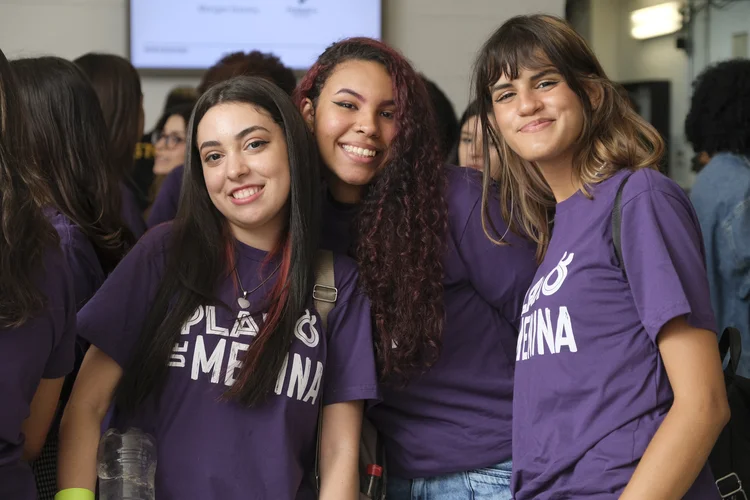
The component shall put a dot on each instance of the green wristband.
(75, 494)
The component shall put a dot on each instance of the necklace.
(242, 301)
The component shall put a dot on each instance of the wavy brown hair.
(614, 136)
(25, 233)
(402, 219)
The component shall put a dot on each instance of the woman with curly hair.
(718, 127)
(619, 391)
(37, 302)
(445, 311)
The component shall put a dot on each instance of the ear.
(308, 113)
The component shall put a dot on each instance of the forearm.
(339, 478)
(676, 454)
(79, 442)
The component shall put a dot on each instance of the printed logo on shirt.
(226, 357)
(544, 331)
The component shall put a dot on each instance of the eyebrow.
(537, 76)
(238, 136)
(361, 97)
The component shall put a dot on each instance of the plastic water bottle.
(127, 465)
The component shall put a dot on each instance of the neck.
(343, 192)
(559, 176)
(263, 238)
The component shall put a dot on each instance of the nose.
(368, 125)
(237, 166)
(528, 104)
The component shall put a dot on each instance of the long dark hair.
(118, 87)
(69, 136)
(402, 220)
(201, 253)
(25, 233)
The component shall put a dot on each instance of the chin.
(355, 176)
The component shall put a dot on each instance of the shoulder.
(648, 182)
(726, 173)
(174, 177)
(71, 235)
(463, 196)
(154, 242)
(346, 276)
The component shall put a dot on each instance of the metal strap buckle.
(325, 293)
(734, 486)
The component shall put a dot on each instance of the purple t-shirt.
(213, 449)
(457, 416)
(80, 254)
(165, 205)
(131, 214)
(591, 389)
(41, 348)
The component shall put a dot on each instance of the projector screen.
(195, 34)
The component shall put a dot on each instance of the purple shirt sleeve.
(350, 360)
(84, 265)
(663, 254)
(499, 273)
(113, 319)
(165, 206)
(62, 357)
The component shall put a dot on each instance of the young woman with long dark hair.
(85, 196)
(118, 87)
(37, 303)
(206, 335)
(619, 391)
(445, 299)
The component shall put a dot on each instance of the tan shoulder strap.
(325, 295)
(325, 292)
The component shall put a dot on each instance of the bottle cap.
(374, 470)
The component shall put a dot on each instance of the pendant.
(243, 302)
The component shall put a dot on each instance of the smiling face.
(245, 162)
(353, 122)
(539, 116)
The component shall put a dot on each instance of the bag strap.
(617, 225)
(731, 343)
(325, 295)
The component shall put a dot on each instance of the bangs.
(510, 54)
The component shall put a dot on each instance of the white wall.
(627, 60)
(440, 37)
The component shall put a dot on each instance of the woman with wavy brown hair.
(37, 304)
(619, 391)
(445, 311)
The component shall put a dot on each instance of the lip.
(248, 200)
(360, 159)
(536, 125)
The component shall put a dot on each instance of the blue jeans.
(490, 483)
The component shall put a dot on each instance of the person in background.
(169, 145)
(718, 127)
(233, 275)
(143, 169)
(445, 299)
(253, 63)
(85, 201)
(469, 151)
(37, 302)
(118, 87)
(619, 392)
(447, 123)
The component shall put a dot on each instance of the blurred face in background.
(470, 148)
(169, 143)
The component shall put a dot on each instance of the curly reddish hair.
(253, 63)
(402, 220)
